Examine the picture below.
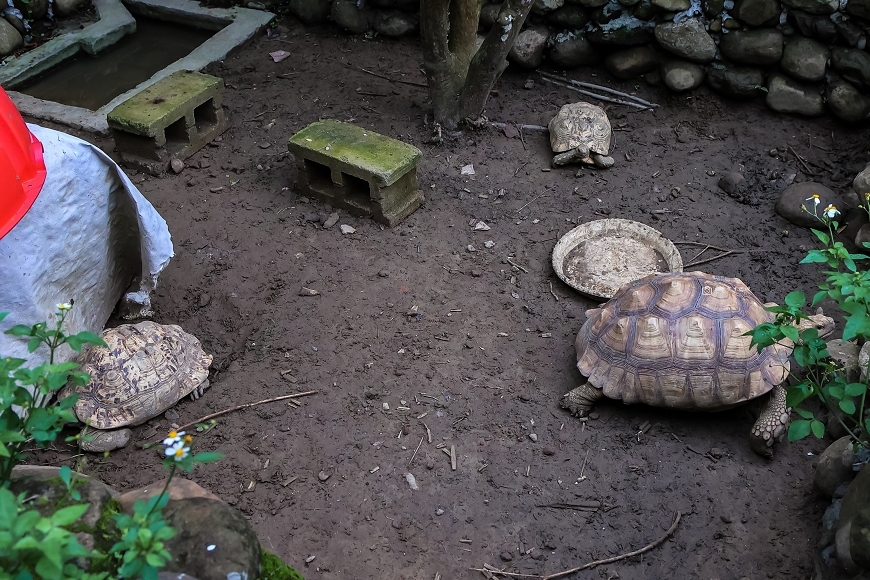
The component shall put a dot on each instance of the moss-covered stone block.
(357, 169)
(171, 119)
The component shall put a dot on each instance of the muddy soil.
(413, 334)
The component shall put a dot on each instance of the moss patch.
(274, 568)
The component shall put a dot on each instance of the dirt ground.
(490, 352)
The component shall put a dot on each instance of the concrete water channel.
(76, 79)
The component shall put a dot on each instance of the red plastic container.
(22, 169)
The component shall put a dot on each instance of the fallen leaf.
(279, 55)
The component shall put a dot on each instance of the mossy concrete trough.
(357, 170)
(172, 119)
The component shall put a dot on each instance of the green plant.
(274, 568)
(821, 377)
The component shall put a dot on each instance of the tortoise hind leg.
(771, 424)
(580, 400)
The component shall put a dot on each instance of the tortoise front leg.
(580, 400)
(771, 424)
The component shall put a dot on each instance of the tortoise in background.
(144, 369)
(679, 341)
(580, 132)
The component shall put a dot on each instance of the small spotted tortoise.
(580, 132)
(145, 369)
(679, 340)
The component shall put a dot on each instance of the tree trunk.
(459, 77)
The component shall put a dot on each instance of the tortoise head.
(824, 324)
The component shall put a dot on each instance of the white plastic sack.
(88, 235)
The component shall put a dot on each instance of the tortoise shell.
(145, 369)
(678, 340)
(580, 124)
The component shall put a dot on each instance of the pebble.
(488, 244)
(732, 183)
(330, 221)
(481, 226)
(412, 481)
(386, 406)
(594, 415)
(439, 512)
(384, 274)
(177, 165)
(548, 451)
(506, 556)
(345, 229)
(470, 248)
(171, 415)
(716, 452)
(323, 476)
(533, 437)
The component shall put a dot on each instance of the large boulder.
(394, 23)
(756, 47)
(813, 6)
(350, 17)
(681, 76)
(788, 206)
(569, 17)
(310, 12)
(63, 8)
(32, 9)
(631, 62)
(785, 95)
(847, 102)
(571, 50)
(736, 82)
(859, 8)
(853, 550)
(757, 12)
(623, 31)
(546, 6)
(529, 46)
(834, 467)
(179, 488)
(687, 39)
(853, 64)
(804, 59)
(214, 540)
(10, 38)
(672, 5)
(861, 185)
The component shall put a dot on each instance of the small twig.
(605, 89)
(553, 293)
(520, 168)
(245, 406)
(498, 125)
(699, 262)
(415, 452)
(646, 548)
(534, 199)
(596, 96)
(515, 265)
(801, 160)
(392, 80)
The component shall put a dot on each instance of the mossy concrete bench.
(357, 170)
(171, 119)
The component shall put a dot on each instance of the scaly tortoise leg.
(771, 425)
(580, 400)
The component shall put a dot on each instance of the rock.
(589, 3)
(757, 47)
(794, 196)
(631, 62)
(818, 27)
(571, 50)
(345, 229)
(506, 556)
(861, 183)
(847, 29)
(412, 481)
(528, 49)
(804, 59)
(859, 539)
(623, 31)
(395, 23)
(348, 16)
(856, 500)
(645, 11)
(834, 467)
(672, 5)
(757, 12)
(310, 12)
(569, 17)
(32, 9)
(102, 441)
(862, 237)
(785, 95)
(16, 22)
(859, 8)
(177, 165)
(213, 539)
(682, 76)
(845, 353)
(847, 102)
(687, 39)
(64, 8)
(813, 6)
(546, 6)
(10, 39)
(179, 488)
(488, 15)
(735, 82)
(863, 359)
(853, 64)
(713, 8)
(331, 220)
(44, 482)
(733, 183)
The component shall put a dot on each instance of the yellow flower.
(831, 211)
(174, 438)
(64, 306)
(188, 439)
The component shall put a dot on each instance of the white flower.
(177, 451)
(815, 199)
(174, 438)
(64, 306)
(831, 212)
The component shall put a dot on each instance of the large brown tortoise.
(679, 340)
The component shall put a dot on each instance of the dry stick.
(600, 88)
(699, 262)
(245, 406)
(498, 125)
(535, 199)
(386, 78)
(596, 562)
(551, 291)
(801, 160)
(512, 263)
(594, 96)
(520, 168)
(415, 452)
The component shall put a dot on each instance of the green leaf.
(33, 343)
(803, 413)
(823, 237)
(795, 299)
(847, 406)
(819, 296)
(818, 429)
(791, 332)
(154, 560)
(854, 324)
(855, 389)
(90, 338)
(68, 515)
(208, 457)
(815, 257)
(798, 430)
(19, 330)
